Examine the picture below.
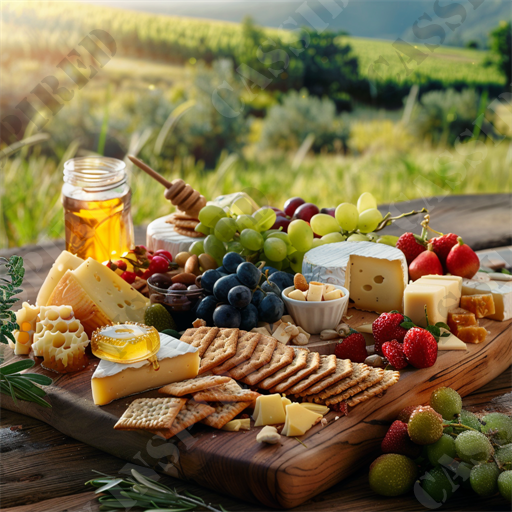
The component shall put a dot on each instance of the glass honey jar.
(97, 208)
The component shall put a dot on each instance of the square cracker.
(327, 367)
(312, 364)
(299, 362)
(281, 357)
(224, 413)
(261, 356)
(191, 413)
(343, 370)
(375, 375)
(150, 413)
(359, 372)
(247, 343)
(200, 337)
(229, 392)
(221, 348)
(186, 387)
(390, 378)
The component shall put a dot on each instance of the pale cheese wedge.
(299, 420)
(297, 295)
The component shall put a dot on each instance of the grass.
(31, 207)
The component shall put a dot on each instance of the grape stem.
(459, 425)
(387, 220)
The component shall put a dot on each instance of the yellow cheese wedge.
(318, 408)
(178, 361)
(245, 424)
(451, 343)
(232, 426)
(298, 420)
(269, 410)
(286, 401)
(65, 261)
(98, 296)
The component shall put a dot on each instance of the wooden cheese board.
(279, 476)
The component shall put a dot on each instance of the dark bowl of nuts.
(179, 294)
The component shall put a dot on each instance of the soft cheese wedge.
(98, 296)
(178, 361)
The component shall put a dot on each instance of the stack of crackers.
(229, 355)
(184, 224)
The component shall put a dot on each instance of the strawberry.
(397, 440)
(420, 347)
(441, 245)
(411, 245)
(462, 260)
(387, 328)
(394, 353)
(405, 414)
(426, 264)
(353, 347)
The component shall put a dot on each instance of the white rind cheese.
(178, 361)
(376, 275)
(161, 235)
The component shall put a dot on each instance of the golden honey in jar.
(125, 343)
(97, 208)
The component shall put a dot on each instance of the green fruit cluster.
(460, 452)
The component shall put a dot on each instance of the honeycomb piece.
(460, 318)
(26, 318)
(60, 339)
(472, 334)
(480, 305)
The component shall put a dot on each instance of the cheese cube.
(333, 295)
(281, 335)
(315, 292)
(299, 420)
(472, 334)
(453, 279)
(329, 288)
(376, 284)
(417, 296)
(452, 285)
(178, 361)
(269, 410)
(501, 292)
(459, 317)
(451, 343)
(480, 305)
(297, 295)
(66, 261)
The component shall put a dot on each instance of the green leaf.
(407, 325)
(505, 271)
(109, 485)
(443, 325)
(16, 367)
(19, 381)
(148, 482)
(445, 335)
(43, 380)
(434, 330)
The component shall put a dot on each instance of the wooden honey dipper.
(181, 194)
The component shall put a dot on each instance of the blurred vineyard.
(331, 126)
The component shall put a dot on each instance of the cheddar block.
(269, 410)
(451, 284)
(178, 361)
(66, 261)
(417, 296)
(472, 334)
(99, 296)
(299, 420)
(459, 317)
(480, 305)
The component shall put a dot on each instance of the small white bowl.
(316, 316)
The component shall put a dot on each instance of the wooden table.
(41, 465)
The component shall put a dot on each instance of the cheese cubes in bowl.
(315, 306)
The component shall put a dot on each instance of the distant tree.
(473, 44)
(501, 45)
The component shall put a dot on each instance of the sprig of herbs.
(18, 385)
(143, 493)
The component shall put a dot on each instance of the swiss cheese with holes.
(99, 296)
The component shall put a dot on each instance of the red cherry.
(121, 264)
(158, 265)
(164, 253)
(462, 260)
(129, 277)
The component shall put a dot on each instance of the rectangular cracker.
(229, 392)
(224, 413)
(359, 372)
(150, 413)
(298, 362)
(247, 343)
(260, 357)
(281, 357)
(221, 348)
(375, 375)
(390, 378)
(312, 364)
(327, 367)
(189, 386)
(191, 413)
(200, 337)
(343, 370)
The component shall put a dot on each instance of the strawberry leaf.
(407, 319)
(445, 335)
(442, 325)
(407, 325)
(435, 331)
